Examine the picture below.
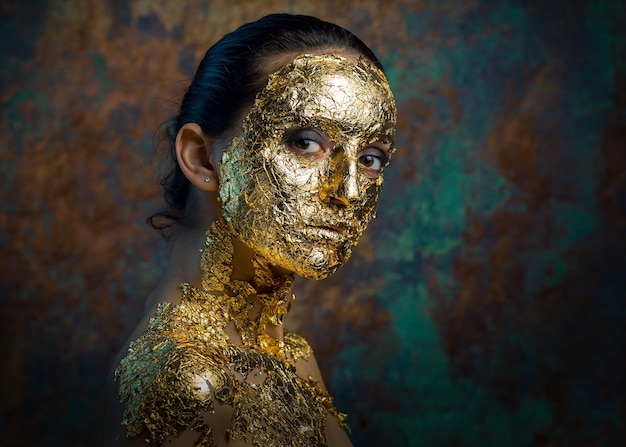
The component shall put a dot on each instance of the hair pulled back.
(228, 78)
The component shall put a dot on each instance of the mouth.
(327, 231)
(330, 227)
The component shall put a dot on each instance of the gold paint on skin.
(299, 212)
(185, 363)
(289, 208)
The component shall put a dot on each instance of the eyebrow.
(329, 126)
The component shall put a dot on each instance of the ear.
(194, 151)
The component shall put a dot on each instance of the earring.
(207, 179)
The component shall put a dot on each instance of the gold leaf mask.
(302, 181)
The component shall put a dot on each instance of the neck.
(254, 295)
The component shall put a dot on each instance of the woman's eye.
(306, 145)
(373, 159)
(305, 141)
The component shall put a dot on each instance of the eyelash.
(292, 140)
(381, 158)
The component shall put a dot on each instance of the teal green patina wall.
(485, 306)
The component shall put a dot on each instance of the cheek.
(293, 176)
(282, 188)
(370, 203)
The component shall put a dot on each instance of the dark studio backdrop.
(486, 305)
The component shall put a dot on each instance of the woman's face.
(302, 181)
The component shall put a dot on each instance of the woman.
(279, 149)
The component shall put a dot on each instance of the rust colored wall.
(486, 305)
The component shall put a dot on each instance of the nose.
(342, 187)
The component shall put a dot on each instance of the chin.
(319, 263)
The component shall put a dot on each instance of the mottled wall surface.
(486, 305)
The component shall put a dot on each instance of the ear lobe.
(194, 152)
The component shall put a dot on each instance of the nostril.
(340, 201)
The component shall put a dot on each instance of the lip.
(331, 227)
(335, 232)
(322, 234)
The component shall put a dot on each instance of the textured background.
(486, 305)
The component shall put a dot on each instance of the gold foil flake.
(327, 401)
(299, 212)
(185, 363)
(216, 266)
(297, 346)
(206, 434)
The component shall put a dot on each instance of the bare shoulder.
(306, 367)
(115, 431)
(178, 391)
(162, 388)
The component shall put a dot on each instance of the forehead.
(316, 89)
